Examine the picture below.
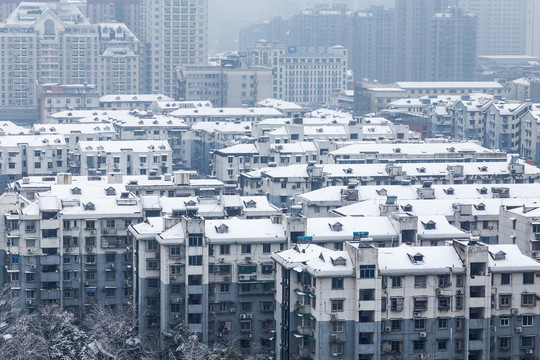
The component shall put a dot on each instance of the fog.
(227, 17)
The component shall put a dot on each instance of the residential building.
(57, 98)
(130, 102)
(414, 34)
(501, 35)
(173, 34)
(70, 246)
(529, 127)
(453, 46)
(229, 84)
(141, 157)
(120, 11)
(38, 35)
(406, 301)
(302, 75)
(519, 225)
(503, 125)
(281, 184)
(211, 114)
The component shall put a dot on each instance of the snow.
(437, 260)
(514, 261)
(244, 231)
(377, 227)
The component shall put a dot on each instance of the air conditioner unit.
(88, 248)
(459, 292)
(173, 277)
(249, 336)
(215, 269)
(93, 232)
(29, 302)
(514, 311)
(387, 329)
(126, 282)
(249, 316)
(176, 316)
(111, 265)
(438, 291)
(178, 299)
(519, 330)
(33, 267)
(419, 356)
(529, 351)
(232, 310)
(242, 316)
(423, 335)
(248, 258)
(334, 337)
(221, 260)
(490, 227)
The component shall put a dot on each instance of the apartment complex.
(53, 43)
(462, 300)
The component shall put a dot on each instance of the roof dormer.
(222, 229)
(337, 226)
(76, 191)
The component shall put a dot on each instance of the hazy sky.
(226, 17)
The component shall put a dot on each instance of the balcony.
(49, 224)
(50, 260)
(50, 277)
(195, 289)
(50, 242)
(50, 294)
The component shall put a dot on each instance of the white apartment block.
(303, 76)
(56, 98)
(503, 125)
(175, 32)
(72, 133)
(136, 101)
(530, 134)
(141, 157)
(406, 302)
(281, 184)
(213, 114)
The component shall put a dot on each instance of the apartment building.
(174, 34)
(503, 125)
(37, 35)
(302, 75)
(72, 134)
(519, 225)
(407, 302)
(141, 157)
(529, 132)
(57, 98)
(254, 114)
(119, 11)
(70, 246)
(228, 84)
(135, 101)
(281, 184)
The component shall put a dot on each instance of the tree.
(182, 344)
(113, 334)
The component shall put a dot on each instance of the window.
(90, 224)
(337, 305)
(224, 249)
(527, 342)
(152, 264)
(459, 302)
(266, 248)
(505, 300)
(90, 259)
(419, 324)
(528, 299)
(367, 271)
(444, 302)
(175, 251)
(396, 304)
(420, 281)
(444, 281)
(267, 306)
(30, 242)
(30, 226)
(442, 344)
(420, 304)
(396, 324)
(418, 345)
(442, 323)
(110, 275)
(195, 239)
(504, 342)
(336, 348)
(110, 224)
(110, 257)
(528, 278)
(195, 260)
(337, 283)
(528, 320)
(337, 326)
(245, 306)
(396, 281)
(224, 287)
(396, 346)
(246, 248)
(505, 279)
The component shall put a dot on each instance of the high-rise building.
(174, 33)
(502, 25)
(53, 43)
(453, 46)
(413, 37)
(122, 11)
(302, 75)
(8, 6)
(532, 46)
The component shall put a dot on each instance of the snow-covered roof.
(249, 231)
(226, 112)
(125, 145)
(409, 149)
(436, 260)
(32, 140)
(321, 230)
(66, 129)
(279, 104)
(513, 261)
(449, 85)
(113, 98)
(316, 260)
